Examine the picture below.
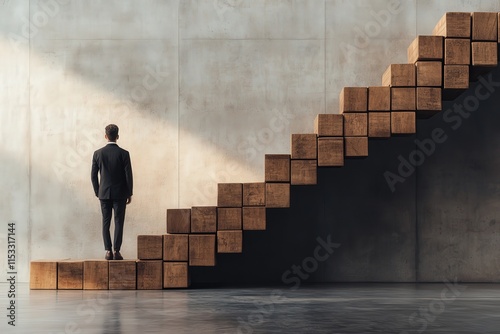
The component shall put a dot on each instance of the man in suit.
(114, 189)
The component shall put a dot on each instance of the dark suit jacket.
(115, 168)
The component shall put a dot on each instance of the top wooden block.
(277, 168)
(230, 195)
(178, 221)
(454, 24)
(304, 146)
(379, 98)
(399, 75)
(150, 247)
(353, 99)
(329, 125)
(425, 48)
(484, 26)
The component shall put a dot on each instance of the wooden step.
(122, 275)
(277, 168)
(70, 275)
(329, 125)
(203, 219)
(178, 221)
(399, 75)
(254, 194)
(43, 275)
(149, 275)
(425, 48)
(379, 98)
(484, 26)
(176, 247)
(353, 99)
(95, 275)
(304, 146)
(454, 24)
(150, 247)
(229, 194)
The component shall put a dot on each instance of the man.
(114, 189)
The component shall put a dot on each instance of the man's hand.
(129, 200)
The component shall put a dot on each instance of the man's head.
(112, 132)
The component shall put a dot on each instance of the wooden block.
(379, 124)
(353, 99)
(95, 274)
(176, 247)
(356, 146)
(429, 73)
(150, 247)
(403, 122)
(454, 24)
(456, 51)
(456, 77)
(484, 53)
(399, 75)
(202, 250)
(254, 194)
(379, 98)
(175, 275)
(149, 275)
(425, 48)
(484, 26)
(43, 275)
(230, 195)
(329, 125)
(277, 195)
(254, 218)
(403, 99)
(229, 219)
(330, 151)
(277, 168)
(304, 146)
(203, 219)
(304, 172)
(178, 220)
(229, 241)
(429, 98)
(356, 124)
(122, 275)
(70, 275)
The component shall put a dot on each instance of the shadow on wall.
(441, 222)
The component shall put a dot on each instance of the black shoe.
(118, 256)
(109, 255)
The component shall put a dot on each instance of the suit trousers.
(107, 208)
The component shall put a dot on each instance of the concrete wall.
(201, 91)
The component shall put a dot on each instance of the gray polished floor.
(339, 308)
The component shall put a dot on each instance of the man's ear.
(106, 137)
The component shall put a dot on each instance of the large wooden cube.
(203, 219)
(178, 220)
(95, 274)
(254, 218)
(150, 247)
(484, 54)
(353, 99)
(356, 124)
(70, 275)
(356, 146)
(202, 250)
(379, 124)
(175, 275)
(454, 24)
(176, 247)
(304, 172)
(122, 274)
(429, 73)
(456, 77)
(330, 152)
(426, 48)
(149, 275)
(229, 241)
(329, 125)
(43, 275)
(304, 146)
(399, 75)
(403, 122)
(254, 194)
(230, 195)
(229, 219)
(379, 98)
(277, 168)
(277, 195)
(484, 26)
(456, 51)
(403, 99)
(429, 98)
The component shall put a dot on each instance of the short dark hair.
(112, 132)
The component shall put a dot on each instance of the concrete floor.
(339, 308)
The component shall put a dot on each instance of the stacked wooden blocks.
(277, 176)
(230, 222)
(329, 129)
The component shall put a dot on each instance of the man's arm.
(128, 176)
(93, 175)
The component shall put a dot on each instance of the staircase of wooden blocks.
(440, 66)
